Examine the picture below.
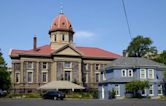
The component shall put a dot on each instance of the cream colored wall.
(59, 43)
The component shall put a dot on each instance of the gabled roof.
(97, 52)
(134, 62)
(41, 51)
(46, 50)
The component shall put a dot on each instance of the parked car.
(3, 92)
(55, 95)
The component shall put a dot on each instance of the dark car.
(55, 95)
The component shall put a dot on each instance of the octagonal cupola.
(61, 32)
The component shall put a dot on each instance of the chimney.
(34, 42)
(125, 54)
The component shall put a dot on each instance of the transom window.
(151, 73)
(44, 66)
(86, 66)
(97, 67)
(160, 92)
(143, 73)
(67, 65)
(130, 73)
(124, 72)
(30, 65)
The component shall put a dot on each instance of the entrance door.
(102, 92)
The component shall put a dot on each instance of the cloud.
(84, 34)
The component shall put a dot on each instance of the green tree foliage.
(141, 47)
(161, 57)
(135, 86)
(5, 81)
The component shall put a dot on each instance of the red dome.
(61, 23)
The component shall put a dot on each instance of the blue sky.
(97, 23)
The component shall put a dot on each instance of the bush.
(28, 95)
(112, 94)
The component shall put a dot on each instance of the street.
(41, 102)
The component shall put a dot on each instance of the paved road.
(40, 102)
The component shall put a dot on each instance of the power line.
(124, 8)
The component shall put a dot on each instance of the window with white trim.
(123, 72)
(151, 90)
(151, 73)
(29, 76)
(142, 73)
(130, 73)
(17, 77)
(160, 92)
(67, 65)
(44, 76)
(117, 90)
(86, 77)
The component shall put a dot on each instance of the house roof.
(136, 62)
(47, 51)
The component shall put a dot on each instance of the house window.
(144, 92)
(160, 90)
(44, 77)
(97, 76)
(17, 77)
(117, 90)
(30, 65)
(130, 73)
(143, 73)
(151, 90)
(67, 65)
(86, 75)
(123, 73)
(30, 76)
(55, 38)
(97, 66)
(44, 66)
(67, 76)
(63, 37)
(86, 66)
(151, 73)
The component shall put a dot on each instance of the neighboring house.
(59, 60)
(127, 69)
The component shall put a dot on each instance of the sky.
(97, 23)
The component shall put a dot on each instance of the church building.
(59, 60)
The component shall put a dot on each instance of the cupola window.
(55, 38)
(63, 37)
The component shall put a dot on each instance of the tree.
(5, 81)
(141, 47)
(161, 57)
(136, 86)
